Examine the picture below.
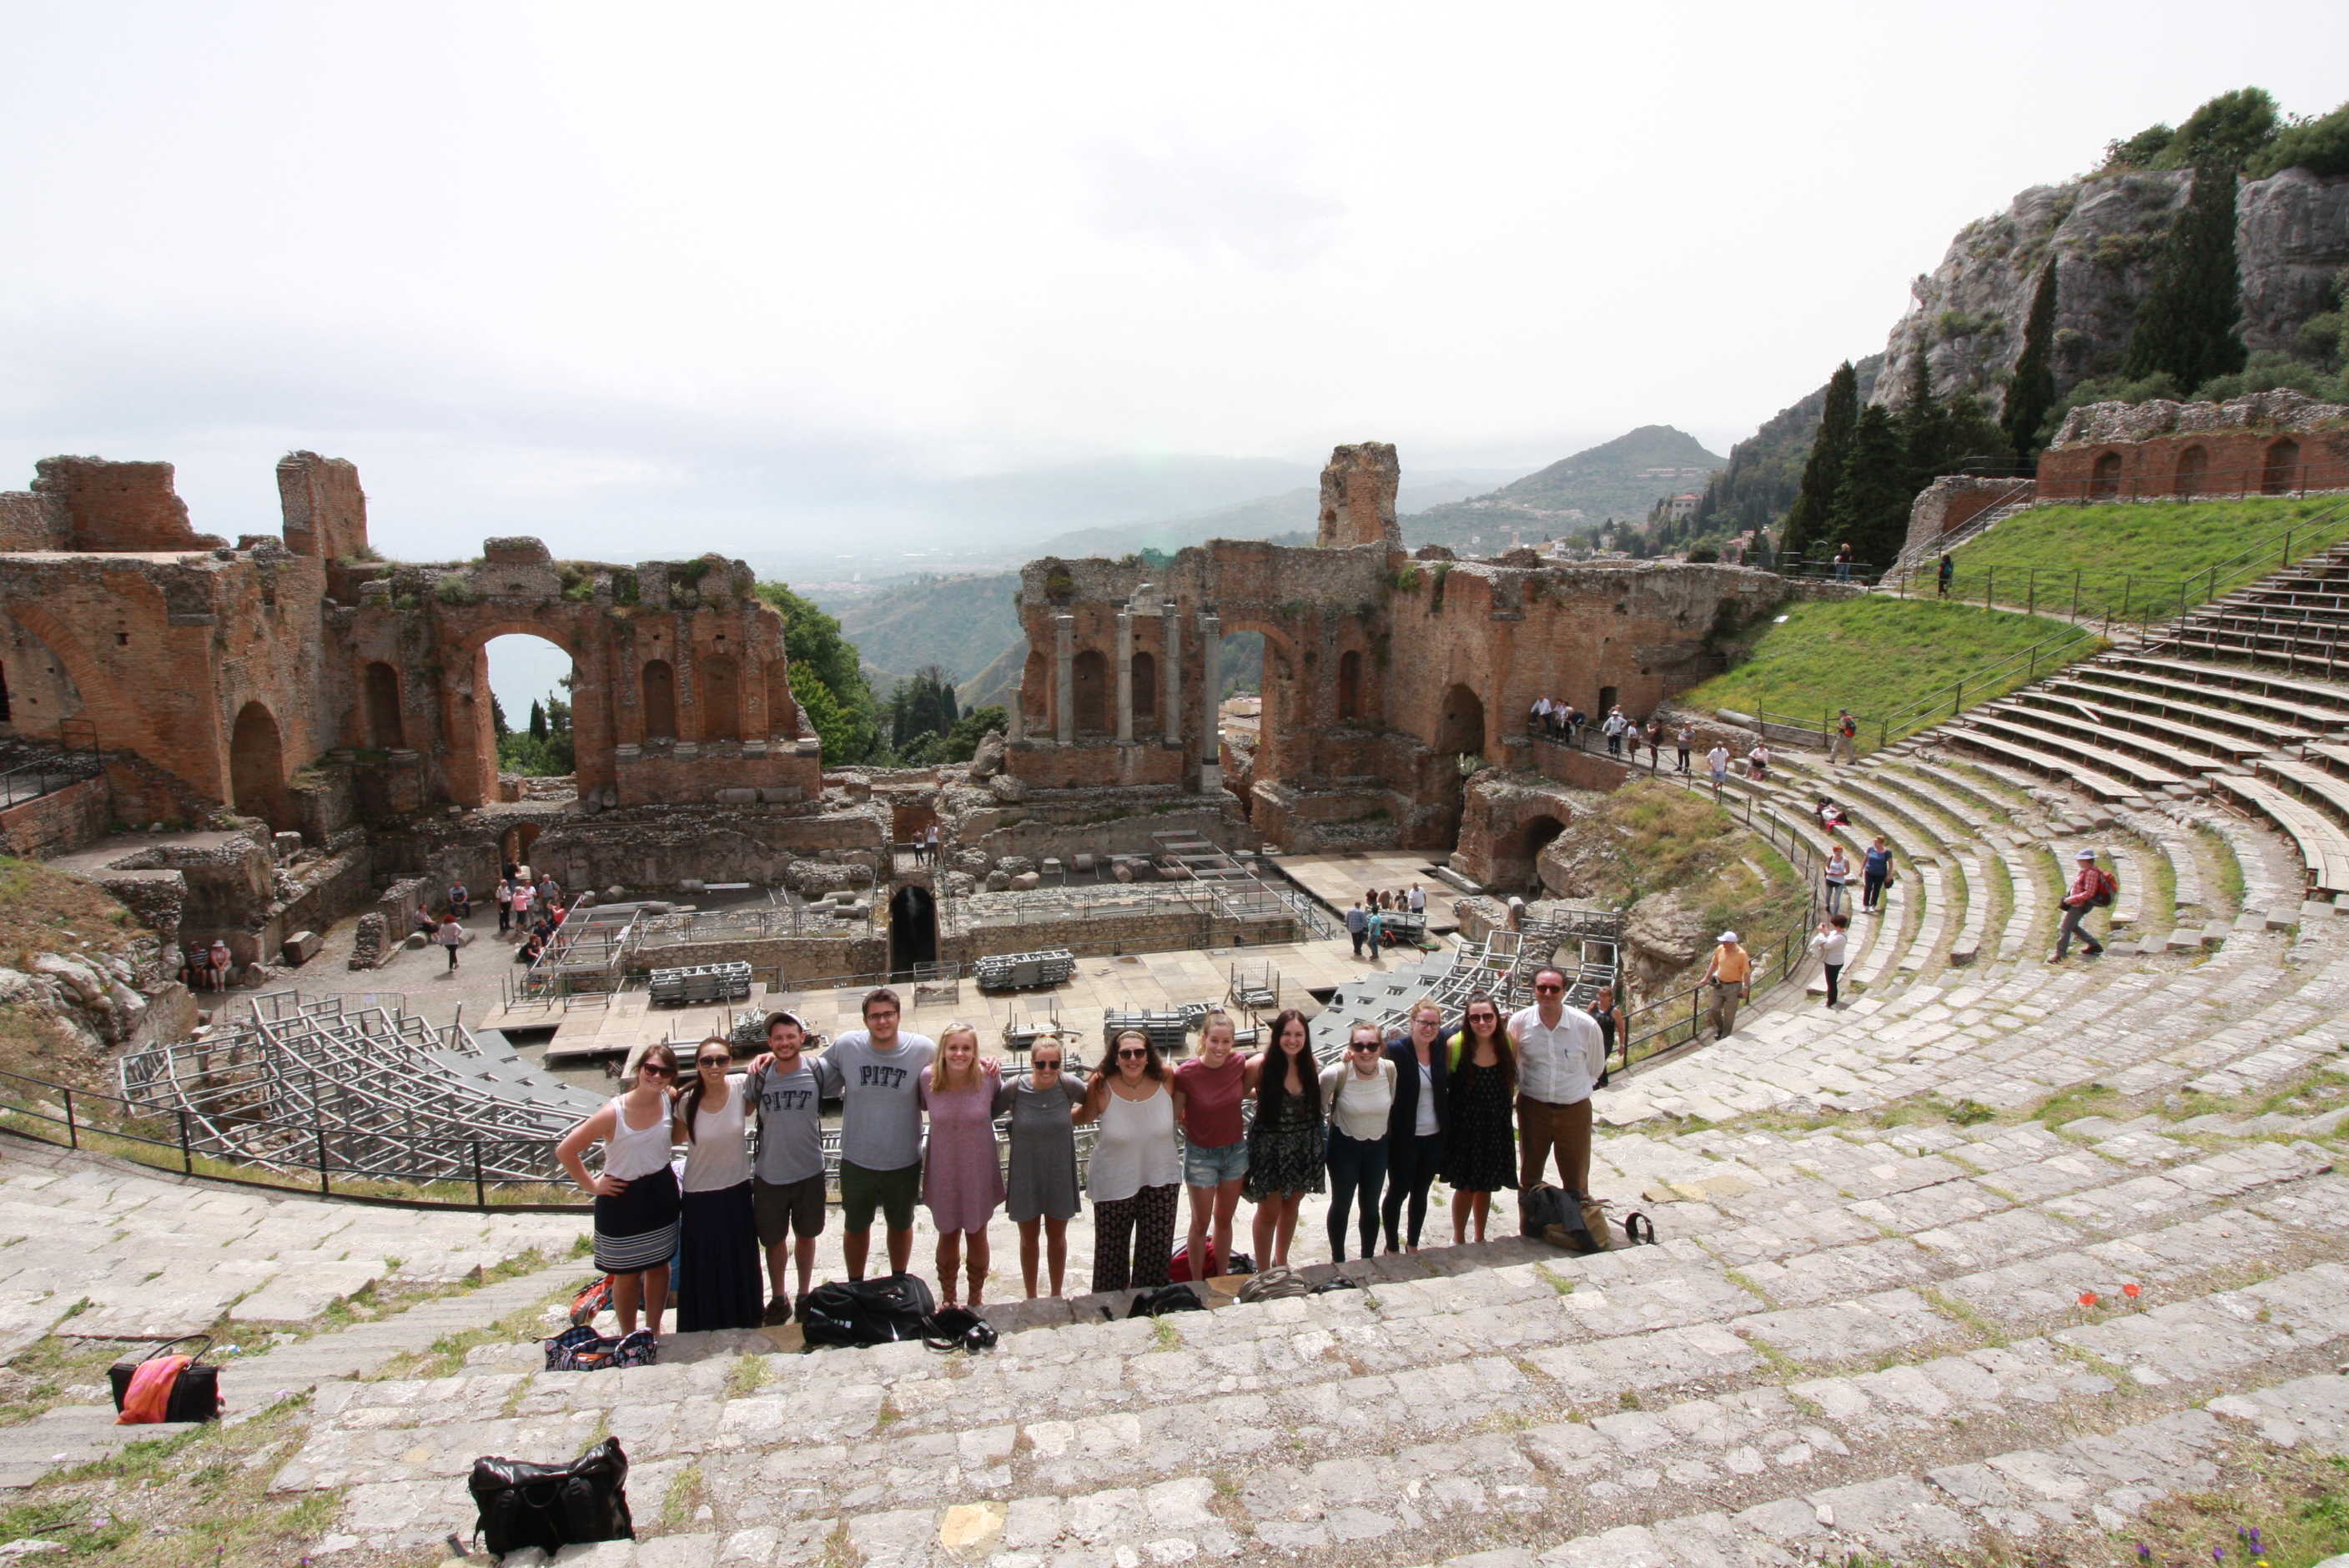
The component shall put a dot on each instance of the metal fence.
(75, 759)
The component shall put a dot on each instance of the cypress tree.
(1870, 511)
(2187, 325)
(537, 722)
(1806, 520)
(1922, 425)
(2032, 391)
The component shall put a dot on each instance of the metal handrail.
(1926, 710)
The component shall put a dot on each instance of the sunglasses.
(1363, 1046)
(657, 1071)
(715, 1062)
(1048, 1067)
(1132, 1055)
(1549, 988)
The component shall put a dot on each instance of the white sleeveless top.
(719, 1156)
(1135, 1148)
(633, 1151)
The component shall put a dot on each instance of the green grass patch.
(2134, 560)
(1879, 657)
(2230, 870)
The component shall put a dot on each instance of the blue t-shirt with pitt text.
(881, 1098)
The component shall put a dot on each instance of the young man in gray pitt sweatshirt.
(876, 1073)
(786, 1180)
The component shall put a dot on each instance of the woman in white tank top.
(719, 1287)
(1135, 1173)
(636, 1196)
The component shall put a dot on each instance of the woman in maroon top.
(1207, 1090)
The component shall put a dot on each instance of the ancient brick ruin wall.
(2274, 443)
(61, 820)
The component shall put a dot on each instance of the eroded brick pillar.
(1124, 677)
(1211, 648)
(1065, 678)
(1170, 622)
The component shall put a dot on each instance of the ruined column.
(1016, 721)
(1358, 497)
(1124, 677)
(1065, 678)
(1211, 680)
(1170, 709)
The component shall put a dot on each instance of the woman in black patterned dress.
(1285, 1156)
(1480, 1154)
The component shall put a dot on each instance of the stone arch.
(2107, 478)
(1350, 686)
(38, 689)
(2282, 470)
(2192, 464)
(513, 844)
(660, 700)
(381, 706)
(1462, 726)
(256, 767)
(1145, 689)
(1090, 670)
(720, 703)
(472, 763)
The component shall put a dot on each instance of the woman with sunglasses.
(719, 1263)
(1284, 1140)
(1043, 1186)
(635, 1197)
(1134, 1170)
(962, 1178)
(1480, 1149)
(1359, 1093)
(1416, 1124)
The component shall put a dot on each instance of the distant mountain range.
(1622, 478)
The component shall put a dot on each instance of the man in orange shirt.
(1731, 977)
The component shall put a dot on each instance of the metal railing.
(75, 757)
(1987, 685)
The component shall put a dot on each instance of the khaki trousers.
(1543, 1126)
(1726, 994)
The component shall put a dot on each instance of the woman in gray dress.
(1043, 1186)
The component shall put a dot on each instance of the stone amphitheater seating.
(1864, 1332)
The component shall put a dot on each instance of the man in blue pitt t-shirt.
(877, 1072)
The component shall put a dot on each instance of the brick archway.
(471, 762)
(256, 767)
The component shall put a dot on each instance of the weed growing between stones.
(749, 1374)
(1165, 1334)
(686, 1493)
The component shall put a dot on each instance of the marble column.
(1016, 721)
(1124, 677)
(1211, 683)
(1170, 659)
(1065, 678)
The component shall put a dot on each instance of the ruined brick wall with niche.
(2218, 465)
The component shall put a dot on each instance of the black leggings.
(1412, 1163)
(1356, 1165)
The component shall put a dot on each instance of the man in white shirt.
(1560, 1053)
(1418, 900)
(1541, 714)
(1716, 762)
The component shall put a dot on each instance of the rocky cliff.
(2104, 234)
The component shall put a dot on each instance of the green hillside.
(961, 622)
(1621, 478)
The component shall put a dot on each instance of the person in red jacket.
(2085, 888)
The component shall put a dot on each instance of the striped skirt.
(637, 1230)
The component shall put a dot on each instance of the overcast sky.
(649, 279)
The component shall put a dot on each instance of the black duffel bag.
(553, 1506)
(195, 1398)
(866, 1311)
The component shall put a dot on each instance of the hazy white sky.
(645, 278)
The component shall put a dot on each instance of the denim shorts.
(1214, 1167)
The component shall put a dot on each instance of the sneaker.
(2054, 958)
(2095, 952)
(778, 1313)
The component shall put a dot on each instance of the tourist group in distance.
(1486, 1106)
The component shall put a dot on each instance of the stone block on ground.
(301, 947)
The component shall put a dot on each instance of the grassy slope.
(2140, 551)
(44, 911)
(1871, 654)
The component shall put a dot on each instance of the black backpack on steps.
(552, 1506)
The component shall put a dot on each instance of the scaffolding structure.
(1502, 966)
(365, 1092)
(585, 954)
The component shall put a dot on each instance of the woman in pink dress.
(962, 1178)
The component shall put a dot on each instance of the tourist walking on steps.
(523, 896)
(1042, 1194)
(1875, 870)
(1415, 1125)
(875, 1073)
(1829, 941)
(1480, 1147)
(1687, 740)
(1207, 1092)
(1359, 1089)
(636, 1202)
(1729, 977)
(1843, 738)
(1945, 575)
(787, 1196)
(2088, 886)
(962, 1178)
(1716, 762)
(1134, 1168)
(1560, 1054)
(1603, 1014)
(1284, 1140)
(1836, 875)
(717, 1277)
(1357, 925)
(451, 936)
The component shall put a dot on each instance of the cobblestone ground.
(2001, 1253)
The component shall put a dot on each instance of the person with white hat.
(1731, 977)
(2090, 888)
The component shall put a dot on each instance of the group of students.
(1485, 1107)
